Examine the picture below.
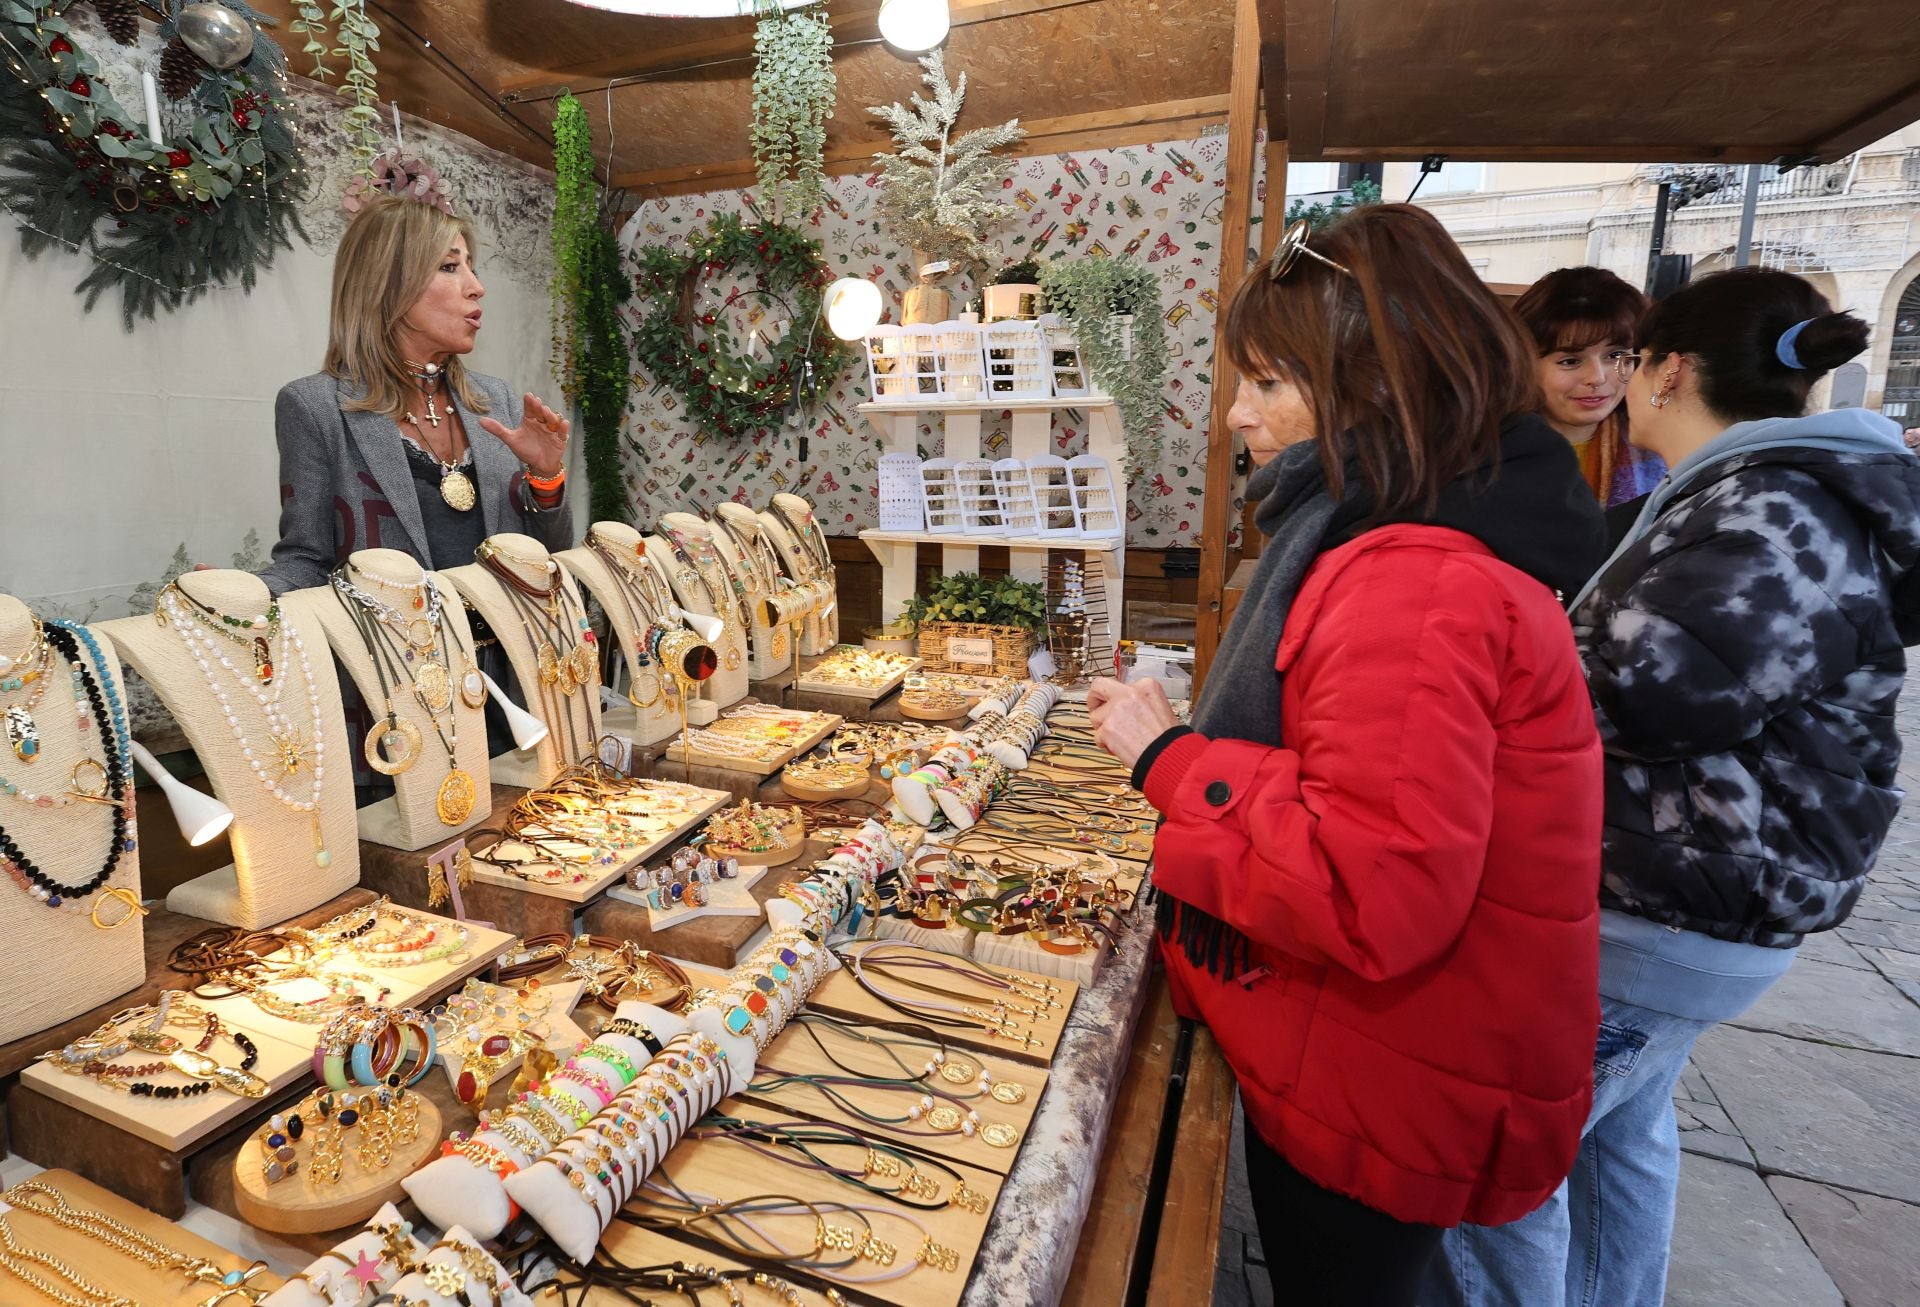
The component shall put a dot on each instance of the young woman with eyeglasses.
(1382, 830)
(1582, 322)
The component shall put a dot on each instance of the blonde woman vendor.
(394, 444)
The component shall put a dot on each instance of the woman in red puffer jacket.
(1382, 831)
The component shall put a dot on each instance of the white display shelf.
(1098, 545)
(934, 404)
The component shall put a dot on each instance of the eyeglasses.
(1293, 243)
(1623, 362)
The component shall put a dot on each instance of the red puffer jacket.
(1416, 872)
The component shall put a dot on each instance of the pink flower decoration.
(397, 172)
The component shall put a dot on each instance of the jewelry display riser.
(725, 898)
(299, 1204)
(727, 685)
(718, 942)
(793, 1052)
(676, 752)
(660, 719)
(853, 693)
(601, 878)
(53, 1131)
(884, 709)
(770, 647)
(822, 630)
(409, 817)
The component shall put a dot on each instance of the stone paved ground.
(1800, 1185)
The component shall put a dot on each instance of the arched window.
(1902, 399)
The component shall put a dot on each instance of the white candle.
(152, 90)
(398, 139)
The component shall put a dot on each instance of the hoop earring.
(1661, 398)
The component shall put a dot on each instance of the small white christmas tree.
(939, 193)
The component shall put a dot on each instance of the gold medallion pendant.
(455, 802)
(473, 687)
(1000, 1134)
(958, 1071)
(434, 685)
(586, 667)
(1008, 1092)
(392, 746)
(566, 676)
(945, 1118)
(457, 490)
(549, 663)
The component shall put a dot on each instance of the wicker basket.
(964, 647)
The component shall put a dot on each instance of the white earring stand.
(275, 872)
(769, 644)
(660, 720)
(70, 843)
(409, 818)
(727, 685)
(579, 713)
(823, 627)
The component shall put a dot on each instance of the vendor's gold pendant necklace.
(455, 486)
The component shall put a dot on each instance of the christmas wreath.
(735, 325)
(163, 222)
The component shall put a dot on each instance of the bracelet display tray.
(134, 1281)
(793, 1052)
(868, 690)
(601, 876)
(728, 1170)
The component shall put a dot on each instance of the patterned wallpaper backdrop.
(1159, 203)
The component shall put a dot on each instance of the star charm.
(366, 1270)
(445, 1278)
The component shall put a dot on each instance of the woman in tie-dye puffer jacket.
(1744, 649)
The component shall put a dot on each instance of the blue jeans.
(1601, 1240)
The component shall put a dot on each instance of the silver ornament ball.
(215, 33)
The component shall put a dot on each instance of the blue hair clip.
(1784, 350)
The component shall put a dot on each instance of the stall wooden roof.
(1078, 73)
(1678, 81)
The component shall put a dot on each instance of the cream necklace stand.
(769, 644)
(572, 720)
(90, 965)
(728, 684)
(822, 630)
(280, 869)
(411, 817)
(789, 605)
(627, 609)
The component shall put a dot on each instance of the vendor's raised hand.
(540, 441)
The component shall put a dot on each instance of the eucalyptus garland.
(725, 392)
(1128, 359)
(359, 37)
(574, 206)
(793, 87)
(163, 223)
(604, 371)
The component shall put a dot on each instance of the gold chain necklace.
(455, 487)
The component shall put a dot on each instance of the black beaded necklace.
(16, 862)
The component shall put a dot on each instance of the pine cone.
(121, 18)
(180, 70)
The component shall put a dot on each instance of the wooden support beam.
(1103, 129)
(1216, 508)
(857, 24)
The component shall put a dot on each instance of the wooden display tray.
(916, 713)
(842, 994)
(630, 1245)
(869, 691)
(298, 1205)
(822, 793)
(135, 1281)
(794, 1053)
(794, 828)
(725, 898)
(830, 722)
(726, 1170)
(598, 881)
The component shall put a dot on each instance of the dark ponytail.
(1731, 324)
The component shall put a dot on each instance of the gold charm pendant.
(434, 685)
(586, 667)
(420, 635)
(473, 687)
(393, 745)
(23, 733)
(549, 664)
(457, 490)
(455, 801)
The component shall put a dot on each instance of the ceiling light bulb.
(853, 307)
(914, 25)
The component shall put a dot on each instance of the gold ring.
(135, 908)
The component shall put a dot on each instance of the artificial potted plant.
(1015, 293)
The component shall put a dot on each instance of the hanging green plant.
(359, 38)
(734, 327)
(574, 208)
(793, 86)
(605, 379)
(163, 222)
(1113, 306)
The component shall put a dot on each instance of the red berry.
(59, 45)
(178, 158)
(80, 86)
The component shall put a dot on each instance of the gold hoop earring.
(1661, 398)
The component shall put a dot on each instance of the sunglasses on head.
(1293, 243)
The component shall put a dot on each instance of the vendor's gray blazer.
(345, 484)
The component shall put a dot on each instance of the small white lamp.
(201, 817)
(707, 628)
(914, 25)
(853, 307)
(527, 729)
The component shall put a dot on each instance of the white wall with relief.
(118, 449)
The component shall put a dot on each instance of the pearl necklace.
(289, 748)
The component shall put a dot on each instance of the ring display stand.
(725, 898)
(300, 1204)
